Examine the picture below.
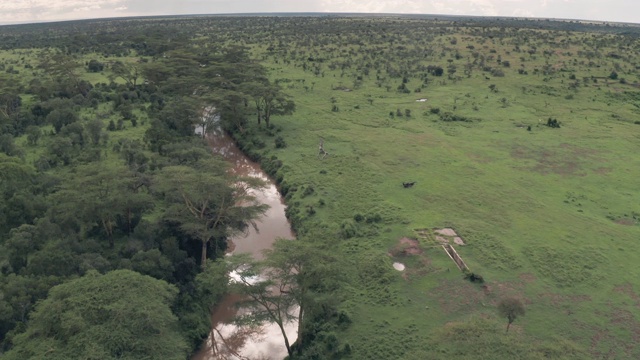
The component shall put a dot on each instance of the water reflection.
(227, 340)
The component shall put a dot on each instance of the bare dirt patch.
(558, 300)
(446, 232)
(603, 170)
(406, 246)
(527, 278)
(627, 289)
(608, 343)
(410, 247)
(447, 235)
(459, 296)
(626, 222)
(455, 296)
(565, 160)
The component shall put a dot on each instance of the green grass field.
(549, 215)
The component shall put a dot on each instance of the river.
(226, 340)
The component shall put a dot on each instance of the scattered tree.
(510, 308)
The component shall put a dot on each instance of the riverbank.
(228, 340)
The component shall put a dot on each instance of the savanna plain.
(522, 136)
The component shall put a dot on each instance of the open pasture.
(548, 211)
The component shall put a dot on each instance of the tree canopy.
(119, 315)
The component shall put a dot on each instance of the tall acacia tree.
(269, 99)
(295, 282)
(96, 195)
(207, 202)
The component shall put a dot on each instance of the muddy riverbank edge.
(272, 166)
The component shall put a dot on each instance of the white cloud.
(39, 10)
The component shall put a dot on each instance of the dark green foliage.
(553, 123)
(450, 117)
(80, 318)
(61, 117)
(280, 143)
(310, 210)
(435, 70)
(95, 66)
(95, 215)
(8, 146)
(373, 217)
(308, 190)
(473, 277)
(348, 229)
(33, 135)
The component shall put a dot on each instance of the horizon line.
(317, 13)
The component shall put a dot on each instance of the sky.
(25, 11)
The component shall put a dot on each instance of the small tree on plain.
(511, 308)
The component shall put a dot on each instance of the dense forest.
(115, 213)
(112, 177)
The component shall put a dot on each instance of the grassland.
(549, 215)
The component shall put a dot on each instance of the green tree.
(94, 128)
(296, 280)
(95, 66)
(119, 315)
(101, 196)
(33, 135)
(207, 203)
(510, 308)
(270, 100)
(61, 117)
(128, 72)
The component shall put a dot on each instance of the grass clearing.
(548, 215)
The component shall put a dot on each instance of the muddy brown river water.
(226, 340)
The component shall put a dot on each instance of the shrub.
(310, 210)
(373, 218)
(280, 143)
(473, 277)
(309, 190)
(453, 117)
(553, 123)
(348, 229)
(258, 143)
(434, 111)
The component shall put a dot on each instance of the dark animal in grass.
(408, 184)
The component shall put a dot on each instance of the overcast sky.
(49, 10)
